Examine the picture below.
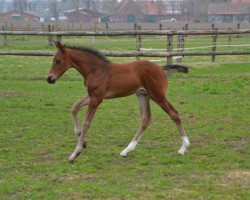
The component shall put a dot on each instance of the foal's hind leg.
(172, 112)
(145, 119)
(75, 108)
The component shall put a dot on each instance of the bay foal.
(106, 80)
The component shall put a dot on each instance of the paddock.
(37, 134)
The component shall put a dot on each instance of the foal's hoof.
(70, 161)
(123, 154)
(84, 145)
(181, 152)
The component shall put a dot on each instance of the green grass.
(127, 43)
(122, 43)
(36, 137)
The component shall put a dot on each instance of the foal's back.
(127, 78)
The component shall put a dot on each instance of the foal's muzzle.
(51, 80)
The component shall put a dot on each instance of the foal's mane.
(89, 50)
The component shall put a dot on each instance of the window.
(16, 17)
(228, 18)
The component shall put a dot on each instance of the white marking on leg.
(185, 145)
(129, 148)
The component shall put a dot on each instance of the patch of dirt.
(202, 141)
(239, 177)
(15, 94)
(241, 142)
(90, 177)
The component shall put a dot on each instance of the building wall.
(72, 18)
(215, 18)
(16, 16)
(240, 1)
(228, 18)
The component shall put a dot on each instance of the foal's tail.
(178, 68)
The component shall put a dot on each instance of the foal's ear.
(59, 46)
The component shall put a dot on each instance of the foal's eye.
(58, 61)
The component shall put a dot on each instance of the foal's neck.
(86, 63)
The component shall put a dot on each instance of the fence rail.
(138, 53)
(126, 33)
(64, 26)
(135, 54)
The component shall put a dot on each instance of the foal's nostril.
(51, 80)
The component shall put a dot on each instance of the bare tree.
(145, 7)
(20, 5)
(2, 3)
(172, 5)
(90, 4)
(159, 8)
(55, 9)
(76, 5)
(220, 1)
(110, 6)
(32, 5)
(156, 6)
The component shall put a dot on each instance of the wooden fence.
(64, 26)
(138, 33)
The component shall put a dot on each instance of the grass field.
(36, 137)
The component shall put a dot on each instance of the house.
(229, 12)
(181, 10)
(154, 11)
(128, 11)
(19, 16)
(240, 1)
(144, 11)
(83, 15)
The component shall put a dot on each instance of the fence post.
(138, 42)
(160, 26)
(212, 26)
(50, 37)
(95, 30)
(238, 28)
(135, 26)
(5, 41)
(59, 38)
(43, 29)
(169, 48)
(180, 47)
(107, 27)
(229, 41)
(214, 37)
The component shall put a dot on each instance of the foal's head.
(61, 63)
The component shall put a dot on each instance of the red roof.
(240, 1)
(229, 13)
(146, 7)
(153, 8)
(228, 8)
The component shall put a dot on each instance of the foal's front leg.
(92, 106)
(75, 108)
